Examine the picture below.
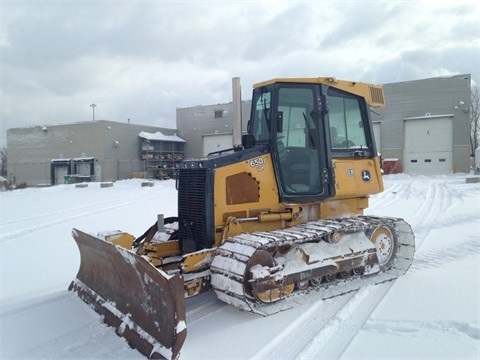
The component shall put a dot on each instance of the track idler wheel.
(265, 259)
(386, 244)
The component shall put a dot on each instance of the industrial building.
(207, 129)
(424, 129)
(91, 151)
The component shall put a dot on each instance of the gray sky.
(143, 59)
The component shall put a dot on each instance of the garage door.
(213, 143)
(428, 146)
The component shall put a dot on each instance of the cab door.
(299, 143)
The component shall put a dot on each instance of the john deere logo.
(366, 176)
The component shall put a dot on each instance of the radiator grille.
(193, 209)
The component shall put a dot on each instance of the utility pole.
(93, 108)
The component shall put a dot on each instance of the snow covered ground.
(431, 312)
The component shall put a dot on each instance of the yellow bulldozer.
(279, 215)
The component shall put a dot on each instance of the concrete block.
(473, 179)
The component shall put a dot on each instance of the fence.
(40, 173)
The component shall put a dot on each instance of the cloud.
(143, 59)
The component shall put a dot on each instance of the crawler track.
(230, 267)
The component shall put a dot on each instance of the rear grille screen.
(376, 94)
(194, 209)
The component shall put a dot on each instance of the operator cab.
(306, 124)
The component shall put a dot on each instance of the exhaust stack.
(237, 113)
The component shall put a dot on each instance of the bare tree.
(3, 162)
(474, 120)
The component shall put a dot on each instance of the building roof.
(159, 136)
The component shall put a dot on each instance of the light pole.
(93, 108)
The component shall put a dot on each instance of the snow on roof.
(87, 158)
(159, 136)
(79, 159)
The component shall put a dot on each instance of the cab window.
(346, 124)
(261, 117)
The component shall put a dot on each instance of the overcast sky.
(141, 60)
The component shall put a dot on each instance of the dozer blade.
(145, 305)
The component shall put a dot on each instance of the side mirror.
(248, 141)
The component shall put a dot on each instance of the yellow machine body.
(247, 192)
(293, 191)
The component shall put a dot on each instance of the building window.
(218, 114)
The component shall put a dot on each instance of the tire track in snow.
(446, 222)
(424, 212)
(327, 327)
(288, 345)
(438, 201)
(85, 211)
(389, 196)
(398, 327)
(334, 338)
(50, 214)
(202, 305)
(31, 305)
(68, 345)
(55, 330)
(437, 257)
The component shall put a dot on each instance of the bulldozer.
(277, 217)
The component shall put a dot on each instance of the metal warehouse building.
(207, 129)
(426, 125)
(91, 151)
(424, 128)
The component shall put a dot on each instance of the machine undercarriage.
(260, 272)
(250, 271)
